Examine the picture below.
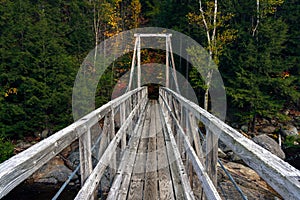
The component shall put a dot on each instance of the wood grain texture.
(151, 184)
(165, 184)
(124, 188)
(209, 188)
(19, 167)
(136, 188)
(91, 183)
(179, 176)
(85, 155)
(280, 175)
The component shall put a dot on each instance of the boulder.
(267, 129)
(245, 128)
(73, 159)
(269, 144)
(252, 185)
(288, 130)
(52, 172)
(233, 157)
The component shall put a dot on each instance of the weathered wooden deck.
(155, 154)
(148, 169)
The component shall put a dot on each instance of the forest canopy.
(43, 43)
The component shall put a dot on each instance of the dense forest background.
(43, 43)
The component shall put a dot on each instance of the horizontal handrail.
(207, 184)
(280, 175)
(87, 190)
(16, 169)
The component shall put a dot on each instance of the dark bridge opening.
(153, 91)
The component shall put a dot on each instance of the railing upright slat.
(280, 175)
(85, 155)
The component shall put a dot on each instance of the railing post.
(211, 155)
(103, 142)
(113, 165)
(85, 154)
(122, 120)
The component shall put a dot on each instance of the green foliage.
(258, 81)
(6, 149)
(291, 140)
(42, 46)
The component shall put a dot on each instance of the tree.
(218, 34)
(256, 81)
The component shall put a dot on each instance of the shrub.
(6, 149)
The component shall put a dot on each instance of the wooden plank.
(103, 142)
(167, 65)
(132, 65)
(164, 179)
(127, 162)
(122, 120)
(138, 176)
(113, 162)
(91, 183)
(151, 185)
(139, 62)
(209, 188)
(151, 35)
(180, 180)
(211, 155)
(85, 155)
(124, 189)
(21, 166)
(280, 175)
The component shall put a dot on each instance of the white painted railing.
(281, 176)
(18, 168)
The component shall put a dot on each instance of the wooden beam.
(139, 63)
(91, 183)
(167, 65)
(211, 155)
(151, 35)
(113, 163)
(132, 65)
(85, 155)
(126, 167)
(18, 168)
(280, 175)
(122, 120)
(175, 155)
(208, 186)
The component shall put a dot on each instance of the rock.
(267, 129)
(247, 179)
(245, 128)
(289, 130)
(233, 157)
(45, 133)
(269, 144)
(66, 152)
(234, 125)
(264, 121)
(52, 172)
(221, 154)
(74, 159)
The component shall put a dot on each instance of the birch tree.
(218, 34)
(264, 8)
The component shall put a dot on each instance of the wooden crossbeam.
(152, 35)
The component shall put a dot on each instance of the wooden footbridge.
(151, 149)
